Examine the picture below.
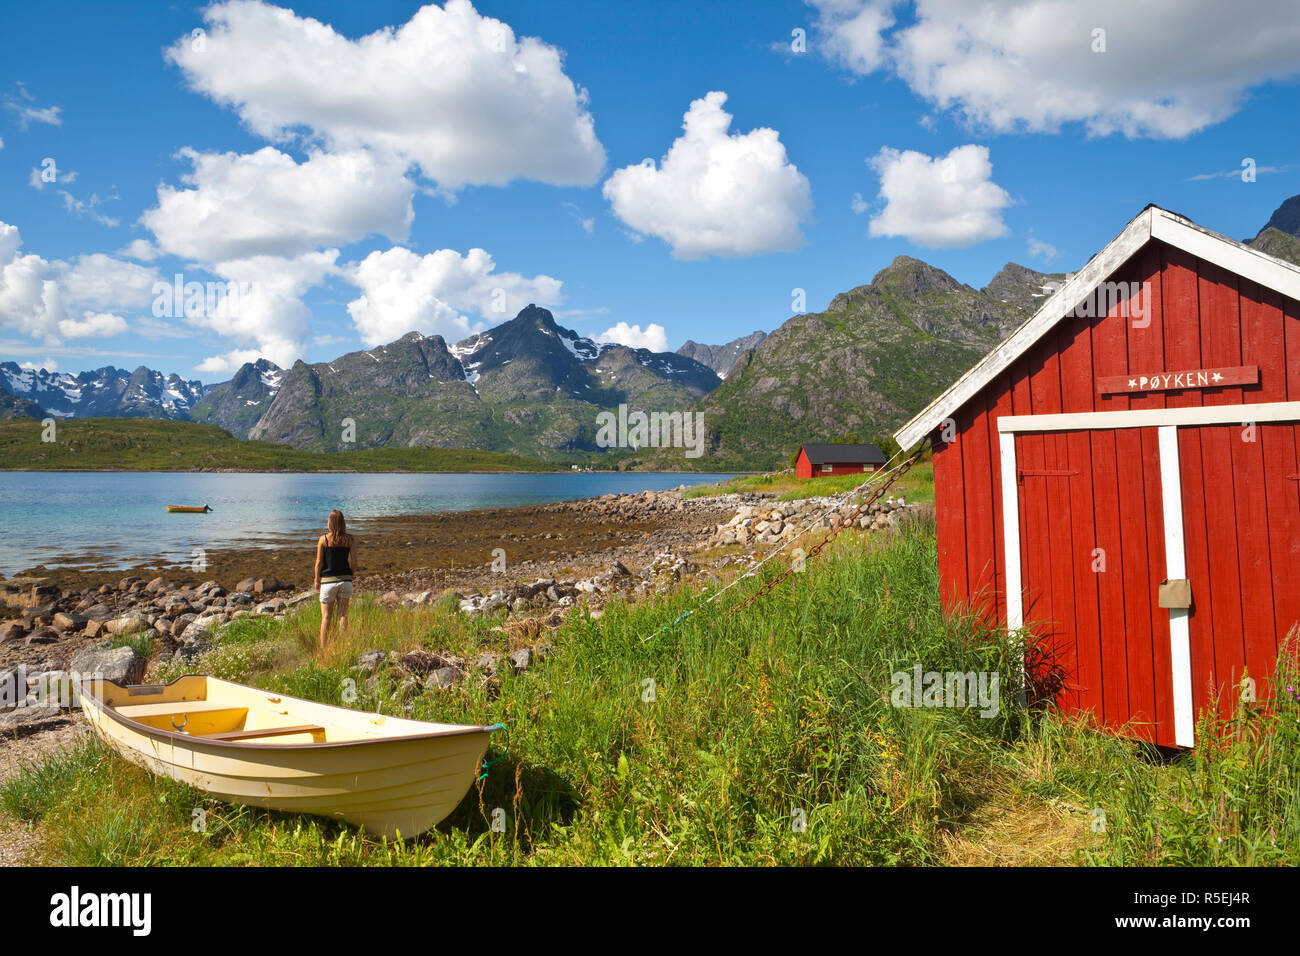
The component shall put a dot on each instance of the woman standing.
(336, 560)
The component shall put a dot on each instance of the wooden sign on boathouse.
(1124, 482)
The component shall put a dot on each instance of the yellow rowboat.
(242, 745)
(188, 509)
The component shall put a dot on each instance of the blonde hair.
(337, 528)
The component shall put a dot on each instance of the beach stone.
(521, 660)
(200, 629)
(442, 678)
(128, 624)
(371, 660)
(273, 606)
(99, 612)
(30, 715)
(156, 586)
(68, 622)
(121, 665)
(420, 662)
(188, 652)
(42, 635)
(12, 631)
(267, 585)
(246, 585)
(302, 597)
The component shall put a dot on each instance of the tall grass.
(758, 738)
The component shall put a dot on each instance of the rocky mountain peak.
(1285, 218)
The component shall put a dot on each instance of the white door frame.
(1166, 421)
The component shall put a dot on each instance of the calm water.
(56, 518)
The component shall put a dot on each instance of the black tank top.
(334, 566)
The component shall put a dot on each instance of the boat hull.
(391, 786)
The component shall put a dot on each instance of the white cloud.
(26, 115)
(451, 90)
(858, 204)
(267, 311)
(715, 193)
(266, 204)
(1168, 70)
(96, 325)
(36, 179)
(403, 292)
(1036, 247)
(141, 249)
(48, 365)
(653, 338)
(229, 363)
(45, 299)
(2, 142)
(939, 202)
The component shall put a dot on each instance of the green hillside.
(134, 444)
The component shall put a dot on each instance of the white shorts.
(335, 589)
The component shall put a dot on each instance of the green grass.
(916, 485)
(758, 720)
(138, 444)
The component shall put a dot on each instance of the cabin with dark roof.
(816, 460)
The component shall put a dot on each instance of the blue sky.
(1057, 145)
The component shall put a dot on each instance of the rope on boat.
(489, 763)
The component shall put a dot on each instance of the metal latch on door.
(1176, 593)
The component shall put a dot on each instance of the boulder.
(246, 585)
(370, 660)
(156, 586)
(521, 660)
(200, 629)
(42, 635)
(488, 662)
(121, 665)
(442, 678)
(12, 631)
(127, 624)
(267, 585)
(69, 622)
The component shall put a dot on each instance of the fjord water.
(115, 519)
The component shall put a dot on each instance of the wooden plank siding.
(1092, 498)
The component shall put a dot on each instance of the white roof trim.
(1152, 223)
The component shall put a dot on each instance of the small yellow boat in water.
(188, 509)
(387, 774)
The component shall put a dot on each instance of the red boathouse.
(832, 459)
(1120, 477)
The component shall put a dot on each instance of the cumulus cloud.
(454, 91)
(265, 203)
(265, 308)
(653, 338)
(141, 249)
(46, 299)
(714, 192)
(49, 365)
(403, 292)
(98, 325)
(1167, 70)
(939, 202)
(228, 363)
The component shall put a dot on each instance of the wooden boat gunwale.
(190, 740)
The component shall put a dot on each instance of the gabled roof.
(843, 454)
(1151, 223)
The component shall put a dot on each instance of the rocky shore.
(532, 564)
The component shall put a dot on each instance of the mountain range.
(867, 363)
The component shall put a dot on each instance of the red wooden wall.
(804, 468)
(1241, 499)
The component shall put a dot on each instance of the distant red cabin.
(831, 459)
(1120, 478)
